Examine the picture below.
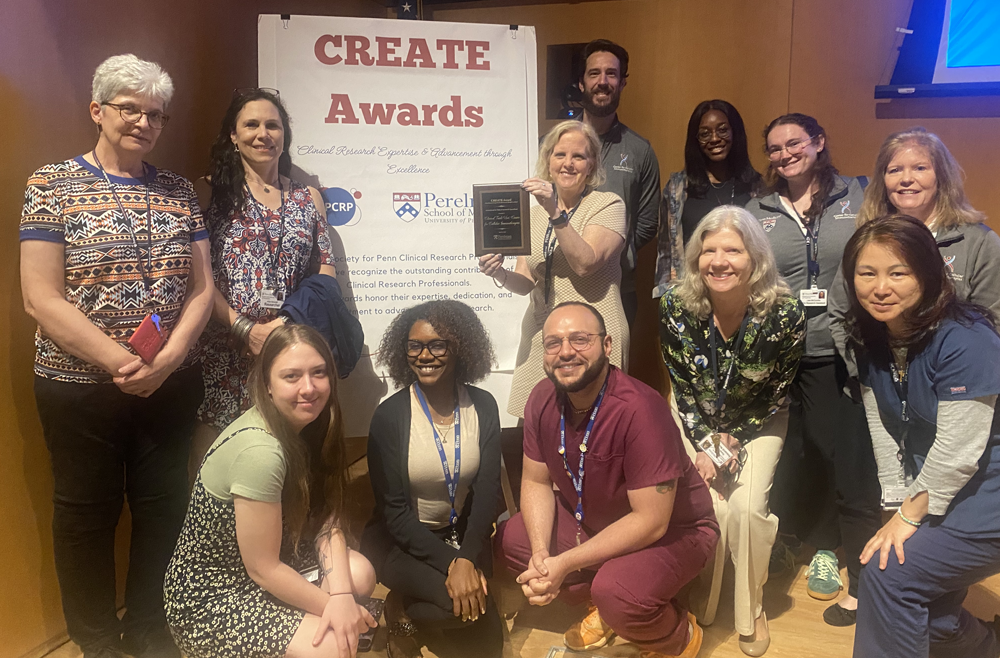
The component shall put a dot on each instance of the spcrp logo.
(342, 207)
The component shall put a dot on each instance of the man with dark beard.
(629, 160)
(629, 522)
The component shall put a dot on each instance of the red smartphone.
(147, 339)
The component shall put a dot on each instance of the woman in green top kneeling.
(268, 504)
(732, 337)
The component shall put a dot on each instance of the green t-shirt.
(250, 464)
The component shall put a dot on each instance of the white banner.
(395, 121)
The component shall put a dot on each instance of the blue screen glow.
(974, 33)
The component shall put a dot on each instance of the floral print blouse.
(765, 366)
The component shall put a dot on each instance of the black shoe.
(837, 616)
(156, 643)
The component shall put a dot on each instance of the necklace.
(722, 186)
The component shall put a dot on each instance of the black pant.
(630, 304)
(105, 444)
(859, 493)
(426, 601)
(804, 491)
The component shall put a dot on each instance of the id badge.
(452, 541)
(718, 452)
(272, 299)
(148, 339)
(893, 497)
(813, 297)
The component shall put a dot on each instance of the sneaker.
(782, 558)
(695, 637)
(838, 616)
(589, 633)
(824, 576)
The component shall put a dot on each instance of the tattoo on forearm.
(665, 487)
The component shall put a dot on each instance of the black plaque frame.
(496, 203)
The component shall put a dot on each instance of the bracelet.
(241, 328)
(504, 282)
(915, 524)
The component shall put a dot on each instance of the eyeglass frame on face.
(706, 135)
(415, 354)
(240, 92)
(121, 107)
(774, 152)
(550, 347)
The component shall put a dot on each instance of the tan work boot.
(589, 633)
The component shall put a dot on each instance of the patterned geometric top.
(70, 202)
(245, 246)
(765, 366)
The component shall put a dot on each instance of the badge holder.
(813, 297)
(272, 299)
(147, 340)
(716, 450)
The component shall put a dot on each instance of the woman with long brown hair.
(268, 503)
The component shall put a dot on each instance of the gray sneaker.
(824, 576)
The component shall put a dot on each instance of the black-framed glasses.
(794, 147)
(578, 340)
(240, 92)
(437, 347)
(131, 114)
(706, 135)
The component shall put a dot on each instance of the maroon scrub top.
(635, 444)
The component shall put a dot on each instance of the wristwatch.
(559, 220)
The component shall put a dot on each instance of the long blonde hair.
(766, 286)
(951, 207)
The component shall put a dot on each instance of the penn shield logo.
(341, 206)
(406, 205)
(769, 223)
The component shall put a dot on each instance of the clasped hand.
(543, 578)
(143, 379)
(346, 619)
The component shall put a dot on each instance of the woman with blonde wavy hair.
(732, 335)
(577, 234)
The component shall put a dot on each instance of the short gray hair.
(597, 176)
(766, 286)
(128, 73)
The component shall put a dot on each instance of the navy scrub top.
(960, 363)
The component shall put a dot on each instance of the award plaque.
(502, 219)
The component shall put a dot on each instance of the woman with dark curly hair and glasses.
(434, 461)
(268, 233)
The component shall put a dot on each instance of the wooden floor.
(796, 622)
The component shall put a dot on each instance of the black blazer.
(395, 522)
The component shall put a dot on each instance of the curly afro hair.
(454, 321)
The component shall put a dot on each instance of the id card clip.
(717, 451)
(272, 299)
(813, 297)
(893, 497)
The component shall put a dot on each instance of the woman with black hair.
(434, 462)
(268, 233)
(927, 365)
(808, 215)
(717, 172)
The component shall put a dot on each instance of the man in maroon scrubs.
(629, 521)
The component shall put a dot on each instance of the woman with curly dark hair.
(434, 462)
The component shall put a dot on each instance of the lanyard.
(146, 271)
(720, 395)
(261, 218)
(549, 250)
(812, 254)
(901, 379)
(578, 481)
(450, 482)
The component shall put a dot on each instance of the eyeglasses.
(705, 135)
(132, 114)
(240, 92)
(435, 347)
(794, 147)
(578, 341)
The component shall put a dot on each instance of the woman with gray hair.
(577, 234)
(115, 270)
(731, 335)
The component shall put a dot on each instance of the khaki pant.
(747, 527)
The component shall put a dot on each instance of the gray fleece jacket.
(971, 254)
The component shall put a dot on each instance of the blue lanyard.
(549, 250)
(450, 482)
(812, 254)
(578, 481)
(720, 395)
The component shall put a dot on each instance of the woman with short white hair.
(731, 335)
(577, 235)
(115, 270)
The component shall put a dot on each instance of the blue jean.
(105, 445)
(908, 608)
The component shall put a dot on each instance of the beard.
(583, 381)
(601, 111)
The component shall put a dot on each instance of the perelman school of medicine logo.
(342, 207)
(406, 205)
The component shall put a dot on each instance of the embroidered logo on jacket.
(956, 390)
(623, 164)
(769, 223)
(845, 210)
